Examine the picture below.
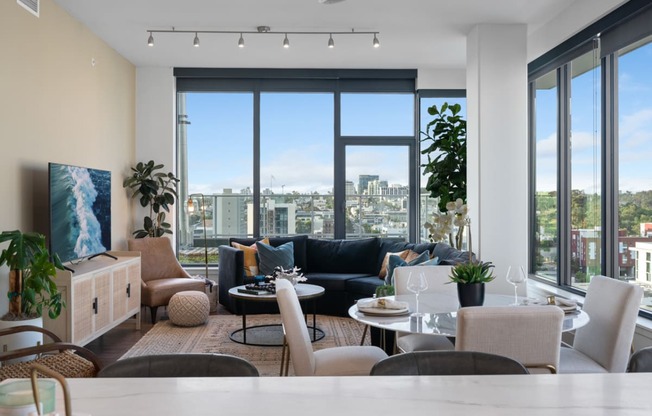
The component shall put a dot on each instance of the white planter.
(22, 340)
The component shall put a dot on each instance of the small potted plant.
(470, 278)
(32, 289)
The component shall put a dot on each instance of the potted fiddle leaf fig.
(156, 190)
(32, 289)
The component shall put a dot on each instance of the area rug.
(213, 337)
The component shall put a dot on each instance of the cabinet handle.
(95, 305)
(128, 290)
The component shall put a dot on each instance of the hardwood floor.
(112, 345)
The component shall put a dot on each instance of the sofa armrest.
(231, 274)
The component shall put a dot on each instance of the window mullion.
(564, 176)
(610, 257)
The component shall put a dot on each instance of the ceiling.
(424, 34)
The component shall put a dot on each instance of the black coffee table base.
(268, 335)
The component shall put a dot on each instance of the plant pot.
(470, 294)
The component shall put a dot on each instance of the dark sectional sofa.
(347, 269)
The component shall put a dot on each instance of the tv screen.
(80, 211)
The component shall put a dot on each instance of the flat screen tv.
(80, 211)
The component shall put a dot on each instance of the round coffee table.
(305, 292)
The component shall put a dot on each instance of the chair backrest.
(641, 361)
(446, 363)
(181, 365)
(437, 277)
(157, 259)
(612, 306)
(296, 331)
(530, 335)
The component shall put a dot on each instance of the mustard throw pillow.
(250, 263)
(383, 269)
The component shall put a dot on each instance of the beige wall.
(56, 106)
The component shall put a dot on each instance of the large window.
(273, 154)
(591, 118)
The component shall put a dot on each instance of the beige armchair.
(162, 275)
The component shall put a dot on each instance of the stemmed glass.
(416, 284)
(516, 277)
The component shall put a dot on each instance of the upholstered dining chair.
(530, 335)
(603, 345)
(181, 365)
(641, 361)
(437, 277)
(161, 274)
(335, 361)
(446, 363)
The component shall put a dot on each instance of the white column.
(497, 189)
(155, 126)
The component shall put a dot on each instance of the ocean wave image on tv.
(80, 211)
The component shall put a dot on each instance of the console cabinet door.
(134, 282)
(103, 299)
(82, 309)
(119, 293)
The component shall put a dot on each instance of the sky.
(635, 128)
(296, 139)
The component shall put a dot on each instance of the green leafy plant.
(446, 155)
(472, 272)
(156, 190)
(32, 289)
(385, 290)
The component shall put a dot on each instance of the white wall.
(497, 146)
(57, 106)
(445, 79)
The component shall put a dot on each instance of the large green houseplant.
(32, 289)
(156, 190)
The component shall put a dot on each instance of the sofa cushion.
(299, 242)
(250, 258)
(333, 281)
(271, 257)
(363, 286)
(383, 267)
(343, 256)
(396, 261)
(448, 256)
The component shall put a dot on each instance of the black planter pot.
(470, 294)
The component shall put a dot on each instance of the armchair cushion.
(157, 260)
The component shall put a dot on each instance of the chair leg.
(283, 356)
(153, 310)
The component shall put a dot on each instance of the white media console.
(100, 294)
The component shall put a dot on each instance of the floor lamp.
(191, 209)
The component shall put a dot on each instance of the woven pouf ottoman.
(189, 308)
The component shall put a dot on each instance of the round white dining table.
(439, 314)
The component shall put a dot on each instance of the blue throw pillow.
(269, 257)
(396, 261)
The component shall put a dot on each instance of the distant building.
(349, 188)
(230, 213)
(363, 182)
(275, 218)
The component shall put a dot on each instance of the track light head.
(376, 42)
(195, 41)
(331, 43)
(241, 42)
(286, 42)
(150, 40)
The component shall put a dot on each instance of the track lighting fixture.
(262, 30)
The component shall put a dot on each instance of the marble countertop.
(562, 394)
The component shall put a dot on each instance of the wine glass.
(416, 284)
(516, 277)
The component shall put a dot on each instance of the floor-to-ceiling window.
(277, 153)
(591, 118)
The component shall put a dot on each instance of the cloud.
(547, 148)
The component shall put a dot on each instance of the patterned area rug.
(213, 337)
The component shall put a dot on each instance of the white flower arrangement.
(292, 275)
(449, 226)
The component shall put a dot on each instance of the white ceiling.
(424, 34)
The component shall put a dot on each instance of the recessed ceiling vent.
(31, 6)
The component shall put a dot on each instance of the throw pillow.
(270, 257)
(396, 261)
(383, 268)
(250, 262)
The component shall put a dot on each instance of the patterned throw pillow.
(396, 261)
(270, 257)
(250, 262)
